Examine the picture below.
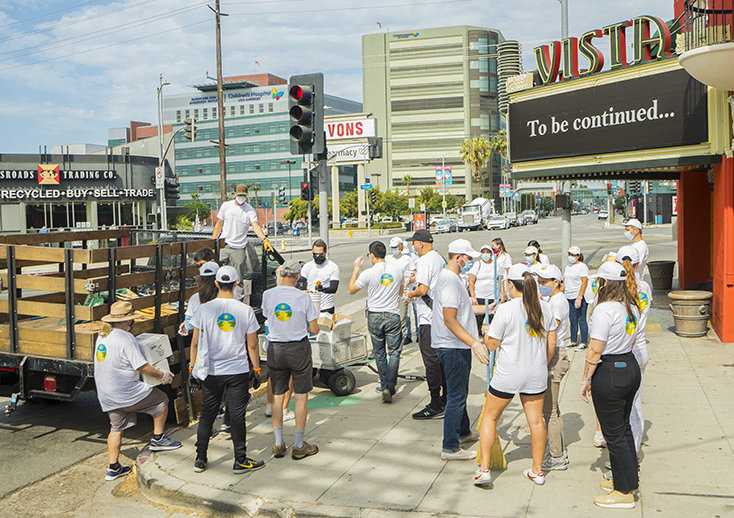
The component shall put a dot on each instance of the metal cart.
(331, 359)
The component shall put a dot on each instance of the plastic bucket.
(691, 312)
(316, 299)
(661, 274)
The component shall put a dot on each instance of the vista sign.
(559, 61)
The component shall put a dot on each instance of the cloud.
(103, 69)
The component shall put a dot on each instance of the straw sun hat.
(121, 311)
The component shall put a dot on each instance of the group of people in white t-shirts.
(477, 301)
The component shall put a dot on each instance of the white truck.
(475, 215)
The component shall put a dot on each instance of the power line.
(47, 14)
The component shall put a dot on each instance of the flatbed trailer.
(57, 286)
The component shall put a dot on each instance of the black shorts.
(507, 395)
(330, 310)
(286, 359)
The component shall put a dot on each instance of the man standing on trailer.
(234, 219)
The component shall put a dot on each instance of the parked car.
(511, 218)
(440, 226)
(602, 214)
(530, 216)
(498, 222)
(521, 220)
(453, 224)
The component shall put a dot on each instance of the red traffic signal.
(305, 191)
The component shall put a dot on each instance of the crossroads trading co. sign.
(50, 174)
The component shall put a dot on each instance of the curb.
(160, 487)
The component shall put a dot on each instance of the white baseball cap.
(549, 271)
(395, 241)
(530, 250)
(208, 269)
(487, 247)
(634, 222)
(574, 250)
(516, 272)
(463, 246)
(628, 251)
(227, 274)
(611, 271)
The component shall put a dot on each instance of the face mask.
(319, 258)
(486, 257)
(507, 290)
(496, 251)
(572, 259)
(241, 199)
(395, 251)
(629, 235)
(545, 291)
(467, 266)
(529, 259)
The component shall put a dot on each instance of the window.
(242, 109)
(196, 114)
(205, 113)
(231, 111)
(270, 108)
(188, 114)
(261, 108)
(198, 170)
(252, 109)
(214, 113)
(257, 167)
(178, 115)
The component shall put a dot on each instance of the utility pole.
(323, 182)
(220, 105)
(443, 184)
(161, 161)
(566, 189)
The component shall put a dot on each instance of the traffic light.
(306, 109)
(609, 189)
(305, 191)
(373, 196)
(281, 194)
(171, 185)
(190, 128)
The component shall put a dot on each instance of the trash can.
(661, 274)
(691, 312)
(659, 219)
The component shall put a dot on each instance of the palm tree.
(476, 152)
(499, 143)
(255, 188)
(407, 180)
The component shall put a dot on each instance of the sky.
(71, 69)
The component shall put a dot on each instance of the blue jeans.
(457, 367)
(414, 312)
(387, 344)
(577, 318)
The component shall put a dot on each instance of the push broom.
(497, 458)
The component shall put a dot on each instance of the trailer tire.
(342, 382)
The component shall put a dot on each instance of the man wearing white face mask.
(234, 219)
(633, 232)
(405, 262)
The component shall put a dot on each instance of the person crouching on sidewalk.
(384, 283)
(291, 316)
(118, 364)
(453, 334)
(227, 331)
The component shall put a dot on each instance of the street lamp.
(159, 91)
(290, 186)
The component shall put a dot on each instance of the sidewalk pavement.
(376, 461)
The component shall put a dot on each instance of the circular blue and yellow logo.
(530, 330)
(226, 322)
(283, 312)
(386, 279)
(630, 326)
(594, 286)
(642, 301)
(101, 352)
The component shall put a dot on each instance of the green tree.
(348, 206)
(391, 203)
(196, 206)
(182, 223)
(476, 152)
(407, 180)
(298, 209)
(498, 143)
(255, 188)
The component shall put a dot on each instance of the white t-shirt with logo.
(236, 222)
(324, 273)
(572, 279)
(559, 305)
(644, 302)
(288, 310)
(451, 293)
(223, 326)
(191, 308)
(484, 285)
(405, 261)
(427, 269)
(522, 357)
(611, 324)
(644, 253)
(383, 282)
(117, 357)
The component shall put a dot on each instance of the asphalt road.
(42, 438)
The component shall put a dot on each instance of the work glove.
(182, 329)
(255, 379)
(167, 378)
(267, 246)
(319, 287)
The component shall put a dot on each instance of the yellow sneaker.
(606, 485)
(616, 500)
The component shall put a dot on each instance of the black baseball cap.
(423, 236)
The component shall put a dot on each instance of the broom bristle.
(497, 458)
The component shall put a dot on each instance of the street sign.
(439, 175)
(423, 207)
(159, 177)
(366, 187)
(444, 204)
(411, 203)
(367, 180)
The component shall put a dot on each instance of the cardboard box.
(338, 326)
(160, 365)
(154, 347)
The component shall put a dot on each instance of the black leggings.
(238, 396)
(613, 387)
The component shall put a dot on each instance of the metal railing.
(708, 22)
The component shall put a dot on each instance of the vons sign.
(350, 129)
(559, 61)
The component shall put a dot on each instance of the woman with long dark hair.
(542, 258)
(612, 377)
(207, 291)
(524, 332)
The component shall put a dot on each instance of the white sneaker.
(538, 478)
(482, 477)
(580, 347)
(599, 441)
(288, 415)
(268, 409)
(459, 455)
